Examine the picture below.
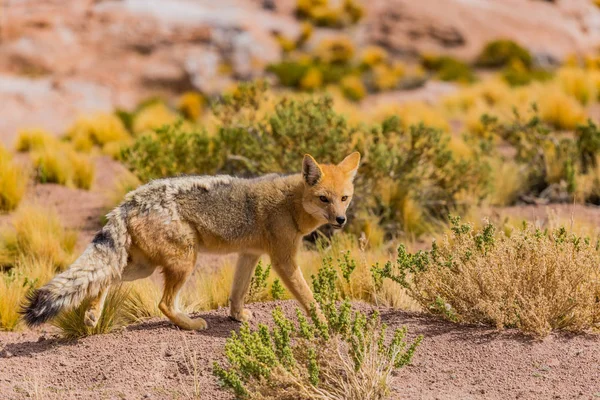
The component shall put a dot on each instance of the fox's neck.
(305, 222)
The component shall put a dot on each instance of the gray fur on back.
(222, 205)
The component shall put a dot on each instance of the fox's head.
(329, 188)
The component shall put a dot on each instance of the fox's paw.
(199, 324)
(242, 316)
(90, 319)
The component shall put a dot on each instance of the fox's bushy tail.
(101, 263)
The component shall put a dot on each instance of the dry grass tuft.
(63, 165)
(536, 281)
(28, 273)
(152, 117)
(104, 130)
(37, 233)
(13, 182)
(560, 110)
(34, 139)
(71, 322)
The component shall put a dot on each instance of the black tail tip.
(39, 307)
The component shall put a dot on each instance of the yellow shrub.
(83, 170)
(97, 129)
(373, 55)
(414, 113)
(560, 110)
(353, 88)
(63, 165)
(384, 78)
(191, 105)
(152, 117)
(400, 70)
(306, 33)
(13, 182)
(286, 44)
(313, 79)
(52, 167)
(28, 273)
(37, 233)
(578, 83)
(34, 139)
(335, 50)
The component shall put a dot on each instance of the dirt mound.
(148, 361)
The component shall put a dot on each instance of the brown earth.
(151, 361)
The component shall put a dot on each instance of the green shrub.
(289, 73)
(253, 147)
(546, 157)
(515, 74)
(449, 69)
(500, 53)
(413, 171)
(533, 280)
(345, 356)
(401, 166)
(170, 151)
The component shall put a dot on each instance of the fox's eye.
(344, 198)
(324, 199)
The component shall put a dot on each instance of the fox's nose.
(340, 220)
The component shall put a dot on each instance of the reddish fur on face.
(334, 183)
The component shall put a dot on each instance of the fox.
(167, 222)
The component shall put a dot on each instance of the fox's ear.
(311, 171)
(350, 164)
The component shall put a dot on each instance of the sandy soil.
(148, 361)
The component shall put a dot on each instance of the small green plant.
(533, 280)
(344, 356)
(71, 322)
(277, 290)
(588, 145)
(259, 283)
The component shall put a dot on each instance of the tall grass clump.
(64, 166)
(55, 161)
(13, 182)
(106, 131)
(71, 322)
(344, 355)
(28, 273)
(37, 233)
(533, 280)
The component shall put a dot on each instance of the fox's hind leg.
(94, 311)
(241, 283)
(176, 273)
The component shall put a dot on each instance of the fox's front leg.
(288, 270)
(94, 311)
(241, 284)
